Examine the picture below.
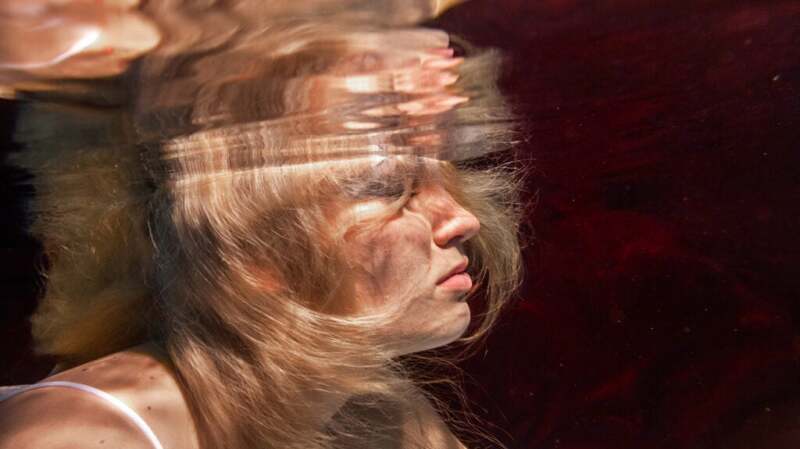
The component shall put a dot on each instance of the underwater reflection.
(226, 87)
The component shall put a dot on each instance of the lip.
(458, 269)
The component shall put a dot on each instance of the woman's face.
(411, 265)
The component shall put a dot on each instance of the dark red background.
(660, 307)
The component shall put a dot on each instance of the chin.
(448, 331)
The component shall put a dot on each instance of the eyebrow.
(373, 180)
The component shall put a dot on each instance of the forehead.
(370, 168)
(372, 186)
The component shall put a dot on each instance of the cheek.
(396, 255)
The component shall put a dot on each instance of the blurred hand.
(50, 39)
(379, 12)
(416, 65)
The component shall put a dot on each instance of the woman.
(251, 249)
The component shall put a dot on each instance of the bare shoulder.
(55, 418)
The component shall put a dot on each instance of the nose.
(455, 224)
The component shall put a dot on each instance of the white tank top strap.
(9, 392)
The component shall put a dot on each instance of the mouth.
(457, 278)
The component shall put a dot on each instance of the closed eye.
(380, 189)
(387, 179)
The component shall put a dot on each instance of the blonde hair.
(227, 269)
